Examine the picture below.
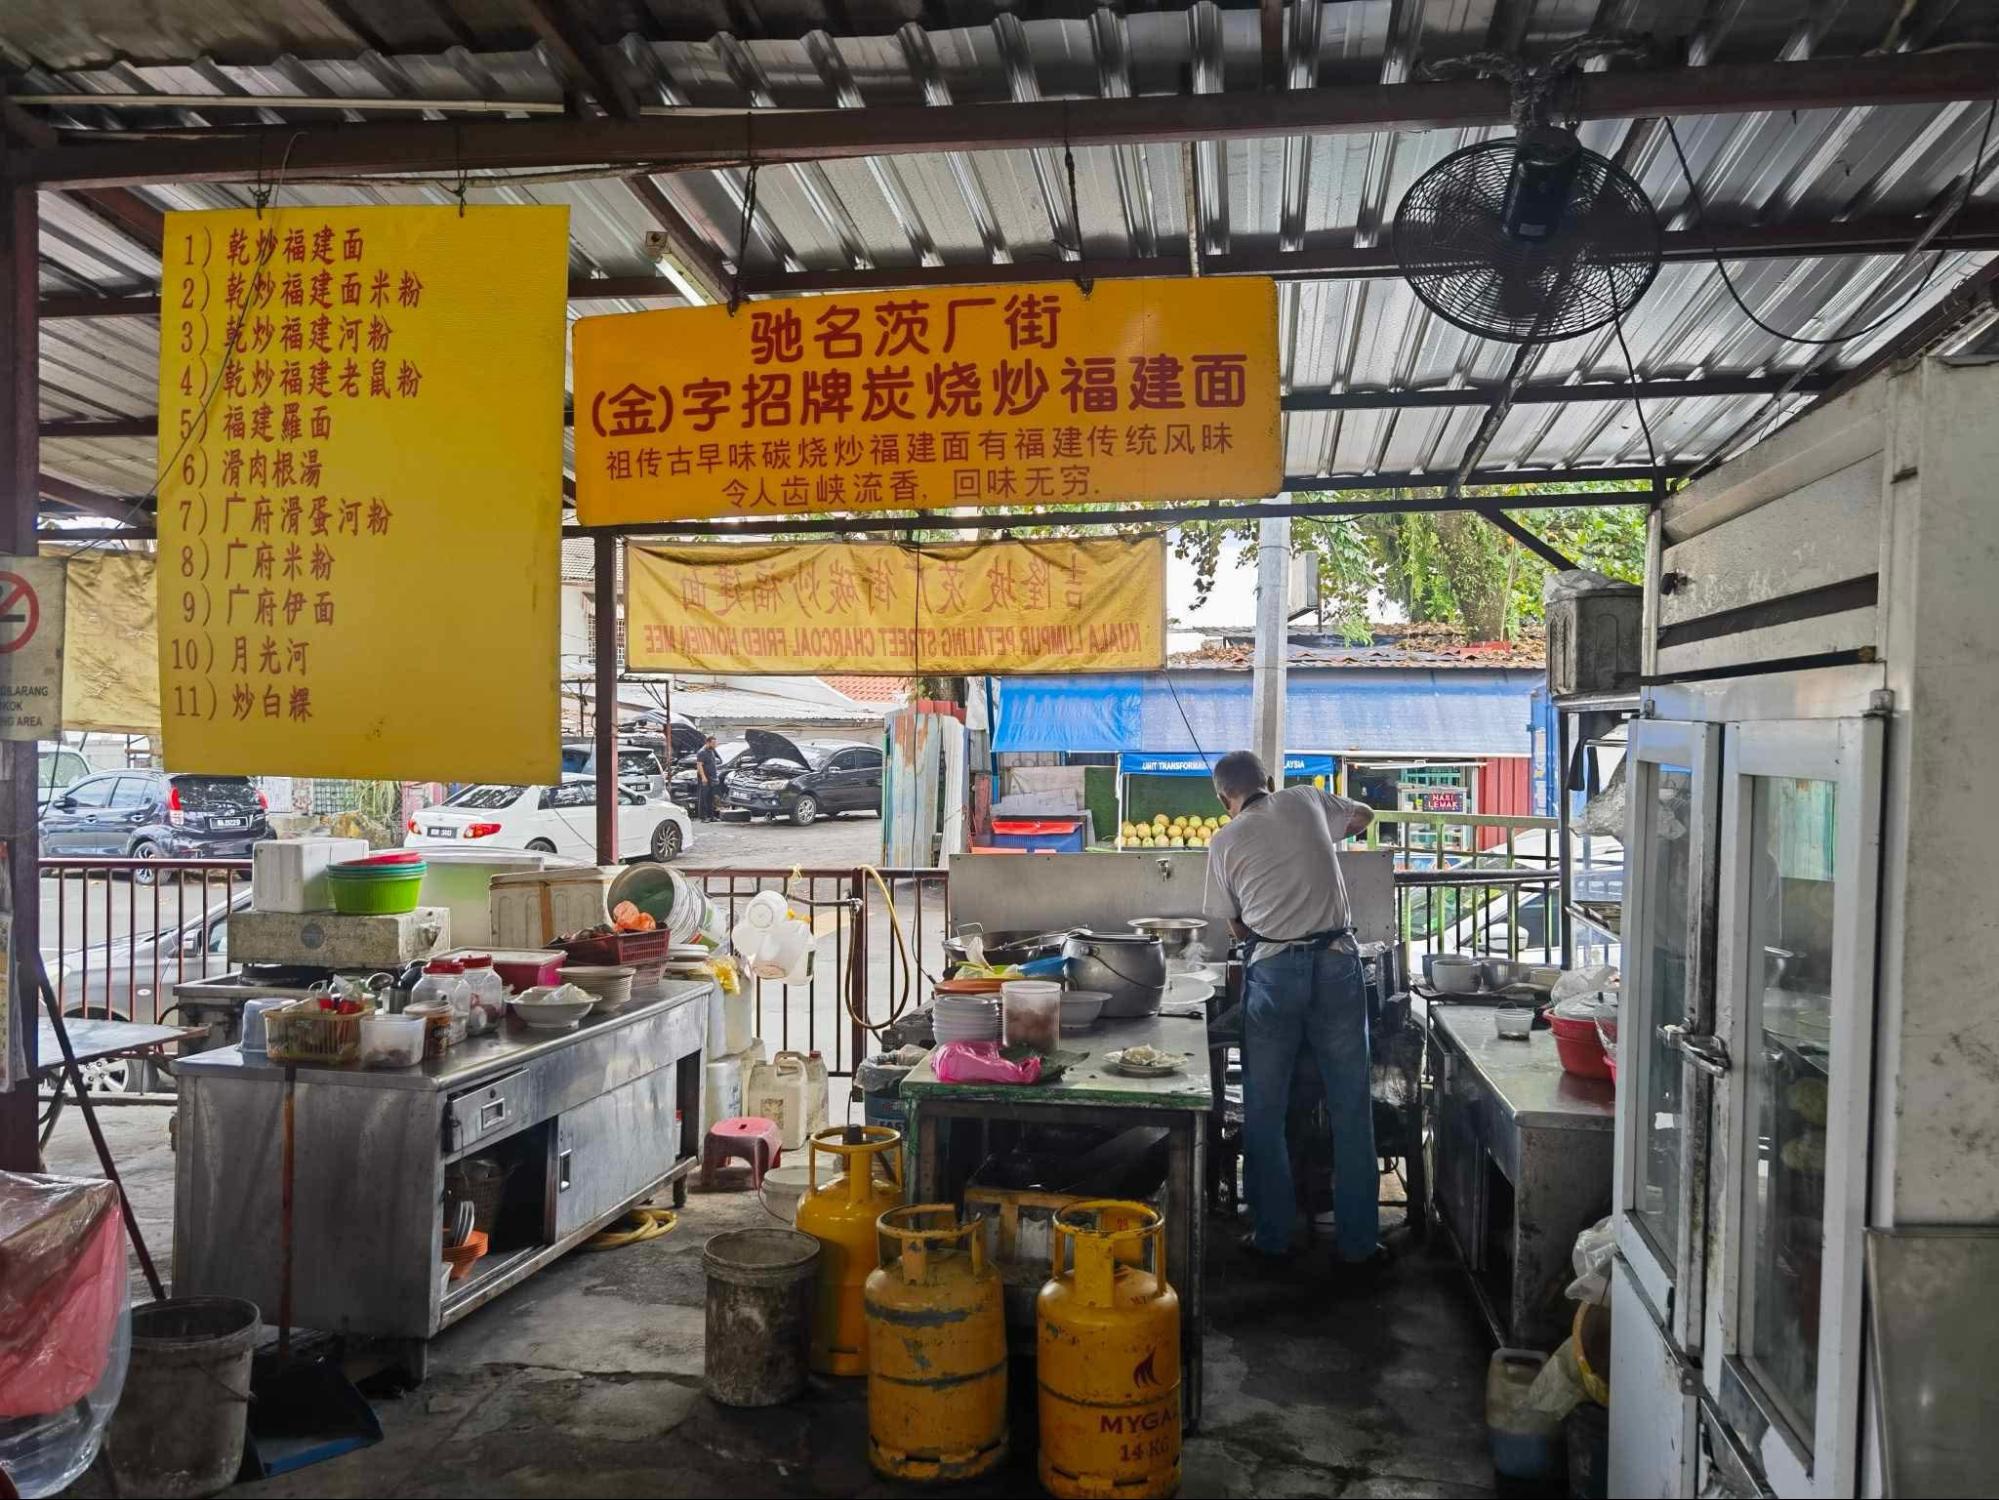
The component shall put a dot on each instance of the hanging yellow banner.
(1043, 606)
(990, 396)
(359, 510)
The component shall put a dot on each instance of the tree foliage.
(1445, 566)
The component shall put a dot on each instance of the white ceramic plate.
(1116, 1063)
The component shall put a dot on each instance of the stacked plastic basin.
(380, 885)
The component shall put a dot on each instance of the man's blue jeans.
(1300, 999)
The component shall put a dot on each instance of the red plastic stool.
(751, 1137)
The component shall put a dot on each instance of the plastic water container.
(816, 1090)
(1031, 1012)
(729, 1029)
(780, 1090)
(721, 1091)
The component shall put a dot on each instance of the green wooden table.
(1089, 1094)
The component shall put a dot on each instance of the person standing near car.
(1276, 870)
(708, 769)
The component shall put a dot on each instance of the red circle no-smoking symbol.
(20, 612)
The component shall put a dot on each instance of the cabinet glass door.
(1801, 851)
(1671, 779)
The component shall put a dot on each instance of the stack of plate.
(967, 1018)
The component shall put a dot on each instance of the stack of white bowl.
(967, 1018)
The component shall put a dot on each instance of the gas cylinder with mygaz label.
(841, 1215)
(1107, 1339)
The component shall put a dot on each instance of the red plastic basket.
(620, 948)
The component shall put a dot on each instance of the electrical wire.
(1844, 335)
(1631, 367)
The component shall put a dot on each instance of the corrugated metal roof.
(1278, 194)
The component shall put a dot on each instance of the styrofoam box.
(290, 874)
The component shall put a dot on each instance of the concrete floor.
(586, 1380)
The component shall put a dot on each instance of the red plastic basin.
(1580, 1048)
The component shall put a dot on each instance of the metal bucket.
(759, 1331)
(179, 1426)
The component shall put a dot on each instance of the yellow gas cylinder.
(936, 1348)
(841, 1216)
(1107, 1339)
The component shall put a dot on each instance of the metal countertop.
(466, 1063)
(1526, 1077)
(1089, 1082)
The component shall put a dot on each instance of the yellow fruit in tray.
(1225, 819)
(1211, 823)
(1178, 842)
(1126, 830)
(1159, 820)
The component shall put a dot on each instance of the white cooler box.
(289, 875)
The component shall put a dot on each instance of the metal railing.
(118, 934)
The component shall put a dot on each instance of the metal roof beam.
(1974, 229)
(123, 509)
(709, 140)
(1543, 393)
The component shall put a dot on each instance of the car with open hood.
(779, 777)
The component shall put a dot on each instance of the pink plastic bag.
(62, 1286)
(980, 1062)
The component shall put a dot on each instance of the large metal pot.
(1179, 937)
(1015, 947)
(1128, 966)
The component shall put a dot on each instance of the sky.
(1232, 603)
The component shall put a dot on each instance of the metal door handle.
(492, 1113)
(562, 1171)
(1703, 1051)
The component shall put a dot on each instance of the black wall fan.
(1534, 238)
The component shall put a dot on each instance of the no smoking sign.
(20, 612)
(31, 618)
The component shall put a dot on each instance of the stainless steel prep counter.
(585, 1122)
(1523, 1154)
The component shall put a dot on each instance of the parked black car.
(155, 815)
(778, 777)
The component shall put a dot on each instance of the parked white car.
(551, 819)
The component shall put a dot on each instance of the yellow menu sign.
(360, 501)
(1005, 396)
(1042, 606)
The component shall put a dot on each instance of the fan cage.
(1451, 244)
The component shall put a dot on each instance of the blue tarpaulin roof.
(1415, 712)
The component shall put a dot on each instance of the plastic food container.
(528, 967)
(1513, 1022)
(363, 888)
(392, 1041)
(1031, 1013)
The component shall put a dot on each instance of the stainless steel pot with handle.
(1130, 967)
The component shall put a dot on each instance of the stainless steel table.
(1090, 1095)
(1523, 1154)
(586, 1122)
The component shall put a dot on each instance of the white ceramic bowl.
(542, 1009)
(1080, 1008)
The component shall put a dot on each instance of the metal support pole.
(604, 720)
(1273, 576)
(20, 465)
(1565, 894)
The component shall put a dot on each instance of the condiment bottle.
(444, 979)
(486, 992)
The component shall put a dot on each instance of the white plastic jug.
(721, 1092)
(728, 1021)
(772, 943)
(778, 1090)
(815, 1092)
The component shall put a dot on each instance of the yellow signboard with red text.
(361, 457)
(996, 396)
(1040, 606)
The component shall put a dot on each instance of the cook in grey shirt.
(1275, 868)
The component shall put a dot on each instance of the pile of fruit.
(1169, 833)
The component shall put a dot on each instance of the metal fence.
(118, 934)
